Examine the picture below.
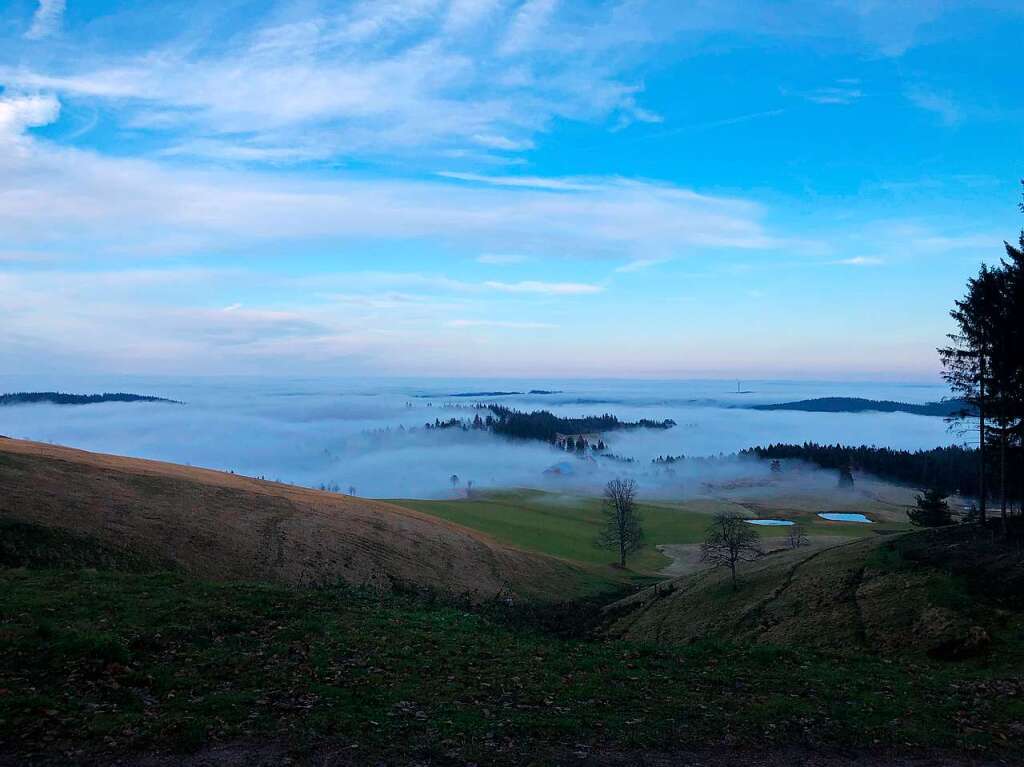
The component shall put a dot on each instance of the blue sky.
(501, 187)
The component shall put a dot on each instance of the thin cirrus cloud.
(370, 77)
(509, 325)
(639, 265)
(46, 20)
(842, 93)
(545, 288)
(501, 259)
(85, 199)
(859, 261)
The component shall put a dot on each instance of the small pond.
(768, 522)
(839, 516)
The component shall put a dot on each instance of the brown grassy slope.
(224, 526)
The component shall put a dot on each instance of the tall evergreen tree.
(931, 509)
(984, 364)
(967, 362)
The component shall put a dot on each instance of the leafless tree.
(796, 537)
(730, 540)
(622, 530)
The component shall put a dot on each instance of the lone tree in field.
(846, 477)
(454, 479)
(796, 537)
(730, 540)
(931, 510)
(622, 529)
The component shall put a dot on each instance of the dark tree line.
(60, 398)
(984, 365)
(948, 469)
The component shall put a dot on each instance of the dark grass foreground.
(101, 665)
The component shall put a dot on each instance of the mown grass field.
(566, 526)
(95, 662)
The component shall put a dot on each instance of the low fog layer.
(369, 434)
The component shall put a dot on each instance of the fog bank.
(368, 434)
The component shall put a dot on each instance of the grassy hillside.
(96, 665)
(222, 526)
(107, 657)
(567, 525)
(896, 595)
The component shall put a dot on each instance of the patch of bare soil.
(224, 526)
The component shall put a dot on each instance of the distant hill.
(943, 409)
(61, 398)
(224, 526)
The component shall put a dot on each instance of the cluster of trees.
(580, 444)
(451, 423)
(950, 469)
(544, 425)
(984, 365)
(333, 487)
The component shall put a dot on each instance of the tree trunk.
(981, 444)
(1002, 477)
(622, 554)
(732, 568)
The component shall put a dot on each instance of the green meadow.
(566, 526)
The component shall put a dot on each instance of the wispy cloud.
(859, 261)
(501, 259)
(545, 288)
(53, 195)
(510, 325)
(373, 78)
(527, 25)
(640, 264)
(941, 104)
(46, 19)
(841, 93)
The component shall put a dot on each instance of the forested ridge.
(945, 408)
(62, 398)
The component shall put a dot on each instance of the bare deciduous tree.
(796, 537)
(730, 540)
(622, 530)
